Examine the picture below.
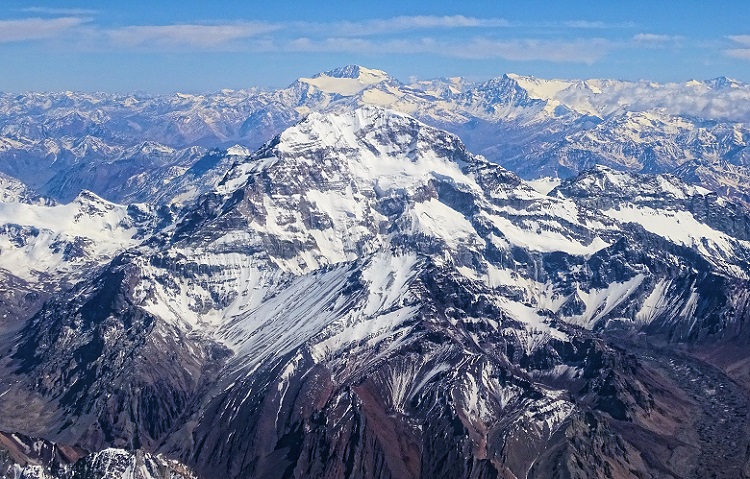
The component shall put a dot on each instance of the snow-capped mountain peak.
(40, 240)
(327, 181)
(723, 82)
(13, 190)
(347, 81)
(367, 75)
(540, 88)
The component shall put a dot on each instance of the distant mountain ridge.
(124, 147)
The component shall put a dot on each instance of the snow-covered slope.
(719, 98)
(45, 247)
(39, 240)
(14, 191)
(346, 81)
(22, 457)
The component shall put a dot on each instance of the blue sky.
(162, 46)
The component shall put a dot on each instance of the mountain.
(363, 297)
(15, 191)
(46, 247)
(124, 147)
(23, 457)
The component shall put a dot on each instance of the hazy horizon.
(406, 81)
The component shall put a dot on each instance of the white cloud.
(187, 35)
(408, 23)
(593, 25)
(575, 51)
(654, 38)
(741, 39)
(742, 50)
(741, 53)
(36, 28)
(225, 35)
(433, 22)
(348, 45)
(374, 36)
(60, 11)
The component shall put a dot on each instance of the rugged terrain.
(126, 148)
(364, 297)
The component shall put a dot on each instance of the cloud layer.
(455, 36)
(60, 11)
(183, 35)
(741, 48)
(37, 28)
(576, 51)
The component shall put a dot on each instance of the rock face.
(363, 297)
(22, 457)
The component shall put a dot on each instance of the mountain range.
(124, 147)
(372, 291)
